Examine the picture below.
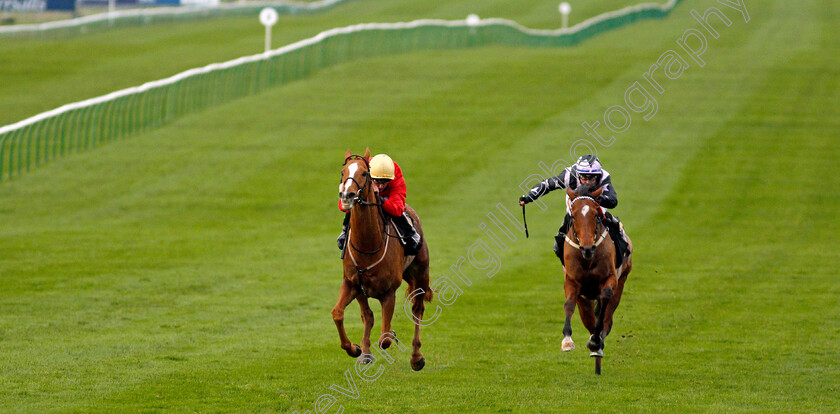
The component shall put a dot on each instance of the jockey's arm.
(608, 197)
(546, 186)
(394, 199)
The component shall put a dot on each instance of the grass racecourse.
(193, 268)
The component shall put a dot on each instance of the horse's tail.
(417, 273)
(418, 278)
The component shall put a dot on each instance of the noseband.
(358, 199)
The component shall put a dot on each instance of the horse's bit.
(360, 200)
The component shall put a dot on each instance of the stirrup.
(411, 247)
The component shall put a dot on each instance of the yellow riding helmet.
(382, 167)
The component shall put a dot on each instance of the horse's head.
(585, 216)
(355, 181)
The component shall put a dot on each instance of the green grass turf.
(192, 269)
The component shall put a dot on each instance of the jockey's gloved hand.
(525, 199)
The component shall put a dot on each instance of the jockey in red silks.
(389, 181)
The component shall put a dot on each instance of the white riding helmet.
(382, 167)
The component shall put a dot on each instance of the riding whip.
(524, 222)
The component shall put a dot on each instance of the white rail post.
(268, 17)
(565, 9)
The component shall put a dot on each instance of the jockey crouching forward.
(583, 178)
(389, 183)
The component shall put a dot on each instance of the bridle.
(360, 200)
(362, 188)
(599, 223)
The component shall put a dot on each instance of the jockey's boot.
(342, 238)
(409, 237)
(560, 238)
(617, 234)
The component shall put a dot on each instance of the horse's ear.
(597, 193)
(348, 154)
(367, 153)
(572, 195)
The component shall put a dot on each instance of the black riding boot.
(614, 227)
(560, 238)
(408, 235)
(342, 238)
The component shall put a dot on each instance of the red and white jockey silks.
(393, 195)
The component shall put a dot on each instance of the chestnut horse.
(374, 264)
(591, 275)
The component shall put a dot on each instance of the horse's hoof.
(367, 359)
(599, 353)
(417, 366)
(355, 351)
(386, 342)
(568, 344)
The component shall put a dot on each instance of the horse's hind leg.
(587, 314)
(417, 276)
(612, 305)
(367, 319)
(345, 295)
(417, 359)
(605, 299)
(595, 343)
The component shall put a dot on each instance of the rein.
(352, 258)
(363, 190)
(362, 201)
(599, 222)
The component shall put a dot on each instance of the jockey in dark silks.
(583, 178)
(389, 181)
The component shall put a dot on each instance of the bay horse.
(374, 264)
(591, 275)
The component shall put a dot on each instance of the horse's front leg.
(587, 314)
(387, 314)
(572, 289)
(367, 319)
(345, 295)
(611, 307)
(596, 342)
